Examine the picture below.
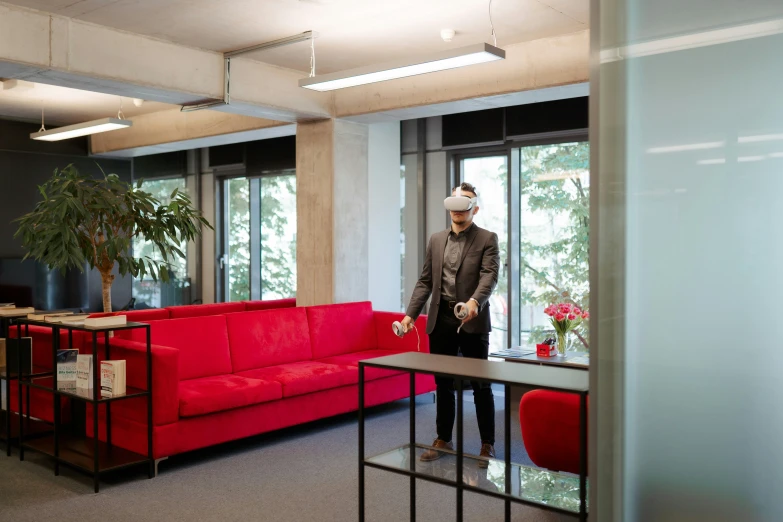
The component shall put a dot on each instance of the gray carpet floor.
(299, 474)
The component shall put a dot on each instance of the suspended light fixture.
(440, 61)
(81, 129)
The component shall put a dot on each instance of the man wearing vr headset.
(461, 265)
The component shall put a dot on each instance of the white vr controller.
(460, 312)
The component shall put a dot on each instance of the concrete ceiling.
(352, 33)
(63, 106)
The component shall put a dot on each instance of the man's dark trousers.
(444, 340)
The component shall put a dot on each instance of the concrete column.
(384, 216)
(332, 208)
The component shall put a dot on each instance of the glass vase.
(562, 344)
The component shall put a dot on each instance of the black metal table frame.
(460, 485)
(95, 401)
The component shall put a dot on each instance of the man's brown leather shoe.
(433, 454)
(487, 451)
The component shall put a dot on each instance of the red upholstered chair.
(550, 429)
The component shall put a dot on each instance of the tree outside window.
(554, 232)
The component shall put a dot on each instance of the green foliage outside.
(554, 263)
(278, 237)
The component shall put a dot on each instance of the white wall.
(383, 215)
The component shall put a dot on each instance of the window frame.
(511, 148)
(223, 175)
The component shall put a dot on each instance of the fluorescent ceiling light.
(716, 161)
(451, 59)
(691, 146)
(81, 129)
(762, 137)
(745, 159)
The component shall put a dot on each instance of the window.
(260, 237)
(278, 236)
(554, 204)
(238, 239)
(146, 291)
(489, 174)
(544, 255)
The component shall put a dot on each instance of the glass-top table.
(537, 485)
(558, 492)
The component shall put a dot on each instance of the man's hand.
(473, 310)
(407, 324)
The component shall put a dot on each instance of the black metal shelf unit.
(502, 479)
(10, 421)
(88, 454)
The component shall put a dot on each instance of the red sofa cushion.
(224, 392)
(550, 429)
(202, 343)
(304, 377)
(179, 312)
(352, 359)
(252, 306)
(268, 338)
(341, 328)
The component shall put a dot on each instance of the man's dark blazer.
(477, 275)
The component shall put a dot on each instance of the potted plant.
(87, 220)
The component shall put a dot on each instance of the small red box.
(544, 350)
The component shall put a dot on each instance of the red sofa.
(41, 404)
(225, 377)
(549, 421)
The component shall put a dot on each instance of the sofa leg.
(157, 462)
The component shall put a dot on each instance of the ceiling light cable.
(494, 38)
(312, 56)
(120, 115)
(42, 129)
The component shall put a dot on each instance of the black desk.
(511, 486)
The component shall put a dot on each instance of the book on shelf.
(16, 312)
(113, 378)
(84, 376)
(110, 320)
(66, 369)
(41, 316)
(71, 318)
(14, 351)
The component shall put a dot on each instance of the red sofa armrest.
(165, 380)
(387, 340)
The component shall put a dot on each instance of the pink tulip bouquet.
(565, 317)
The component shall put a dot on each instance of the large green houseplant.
(95, 220)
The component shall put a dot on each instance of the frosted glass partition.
(691, 163)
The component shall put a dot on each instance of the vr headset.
(460, 202)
